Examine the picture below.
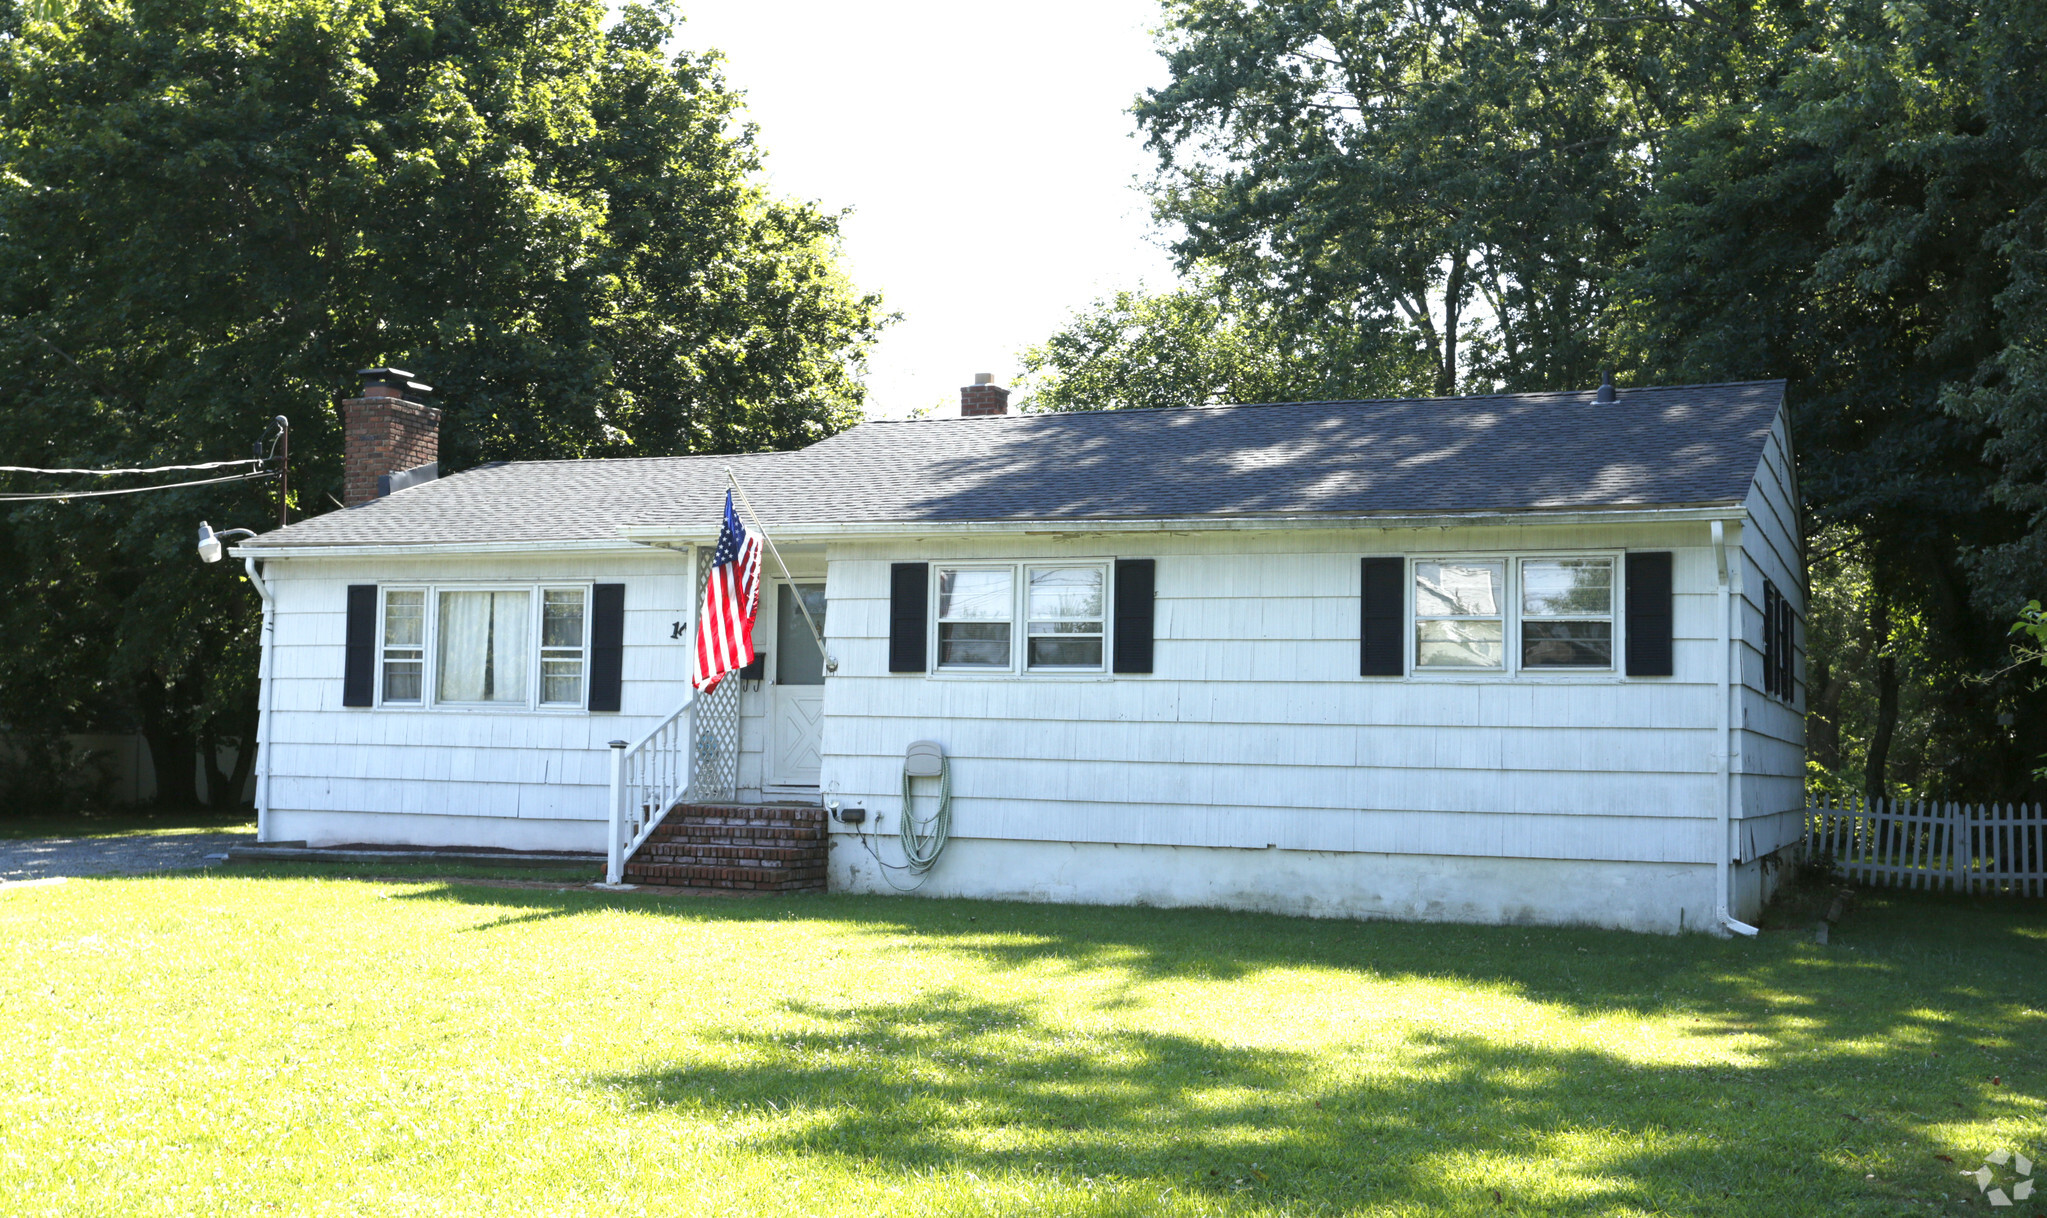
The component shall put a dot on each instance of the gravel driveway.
(37, 858)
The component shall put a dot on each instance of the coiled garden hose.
(922, 844)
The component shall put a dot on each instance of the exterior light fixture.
(210, 542)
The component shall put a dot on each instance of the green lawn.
(258, 1043)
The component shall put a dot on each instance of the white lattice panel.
(715, 775)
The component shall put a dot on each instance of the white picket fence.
(1957, 847)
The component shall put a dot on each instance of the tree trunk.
(209, 767)
(230, 795)
(171, 746)
(1877, 762)
(1823, 715)
(1453, 305)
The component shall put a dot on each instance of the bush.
(44, 775)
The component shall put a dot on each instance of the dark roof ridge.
(1466, 397)
(529, 461)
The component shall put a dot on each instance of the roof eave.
(1728, 509)
(637, 538)
(606, 545)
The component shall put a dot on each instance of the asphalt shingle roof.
(1671, 446)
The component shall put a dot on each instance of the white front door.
(796, 698)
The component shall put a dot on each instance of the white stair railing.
(647, 779)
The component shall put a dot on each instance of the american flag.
(731, 598)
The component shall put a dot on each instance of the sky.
(987, 153)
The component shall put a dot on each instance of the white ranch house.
(1526, 658)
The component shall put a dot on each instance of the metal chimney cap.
(984, 378)
(391, 378)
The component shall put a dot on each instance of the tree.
(1850, 196)
(1204, 343)
(212, 211)
(1473, 169)
(1867, 223)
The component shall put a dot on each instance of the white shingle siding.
(524, 764)
(1254, 728)
(1770, 735)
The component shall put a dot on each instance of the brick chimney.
(984, 396)
(389, 441)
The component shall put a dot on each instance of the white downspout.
(1723, 874)
(262, 700)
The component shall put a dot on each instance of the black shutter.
(359, 661)
(1769, 637)
(1136, 585)
(1382, 634)
(1648, 618)
(1787, 672)
(909, 612)
(607, 646)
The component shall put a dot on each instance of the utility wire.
(153, 469)
(252, 476)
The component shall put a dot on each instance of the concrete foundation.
(410, 829)
(1662, 898)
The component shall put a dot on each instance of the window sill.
(1010, 674)
(479, 708)
(1525, 677)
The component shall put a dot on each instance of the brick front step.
(771, 817)
(734, 848)
(704, 852)
(751, 813)
(755, 879)
(776, 834)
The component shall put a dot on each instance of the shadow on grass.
(1827, 1080)
(944, 1082)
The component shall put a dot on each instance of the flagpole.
(830, 663)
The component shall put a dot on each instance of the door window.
(798, 662)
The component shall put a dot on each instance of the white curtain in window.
(484, 647)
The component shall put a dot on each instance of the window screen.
(1567, 613)
(1458, 620)
(1064, 607)
(561, 646)
(404, 644)
(974, 617)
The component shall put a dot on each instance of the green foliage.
(1849, 196)
(1868, 223)
(1474, 169)
(1875, 675)
(2033, 624)
(45, 776)
(215, 210)
(1206, 343)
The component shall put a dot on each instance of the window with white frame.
(1567, 612)
(485, 641)
(561, 646)
(1459, 614)
(1064, 609)
(497, 647)
(976, 608)
(404, 644)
